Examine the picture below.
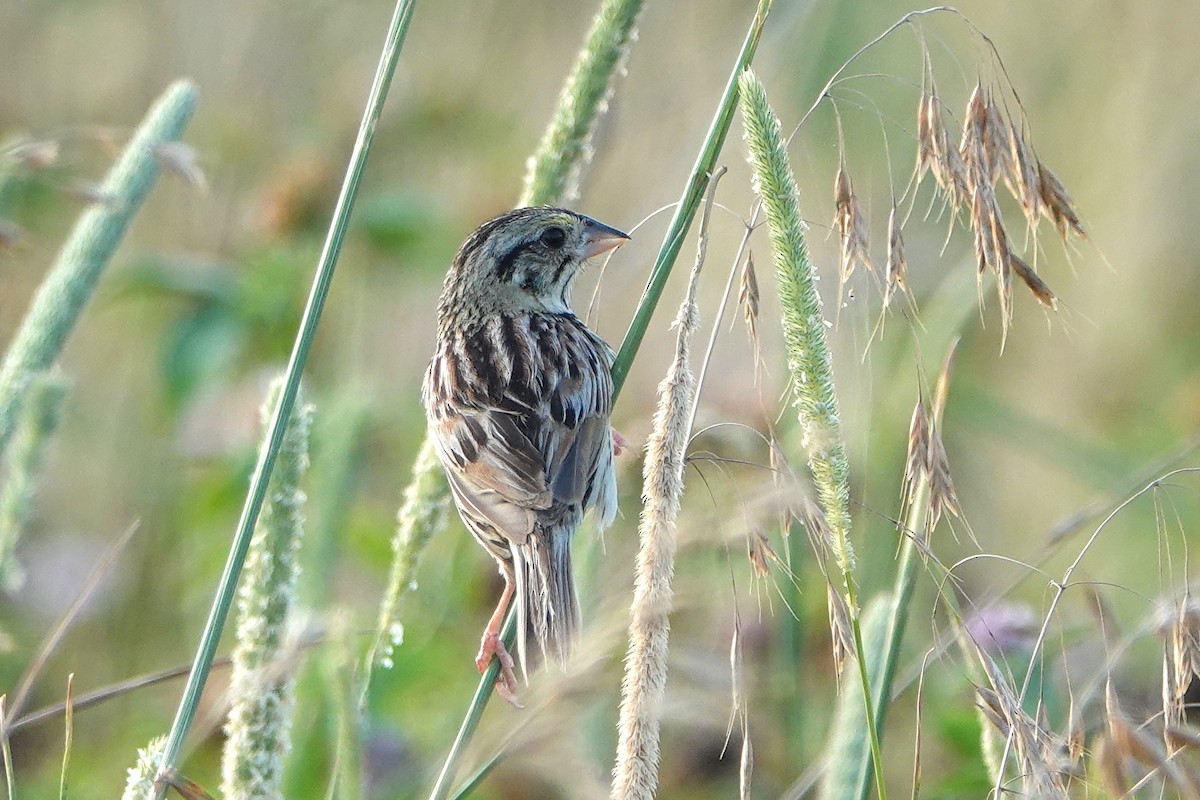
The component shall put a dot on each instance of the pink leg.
(620, 443)
(491, 645)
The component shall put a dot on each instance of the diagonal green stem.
(266, 459)
(685, 211)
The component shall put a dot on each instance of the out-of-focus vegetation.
(171, 361)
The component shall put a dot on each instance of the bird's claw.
(620, 443)
(506, 682)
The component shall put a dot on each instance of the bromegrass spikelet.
(259, 721)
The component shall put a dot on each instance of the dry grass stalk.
(851, 226)
(635, 776)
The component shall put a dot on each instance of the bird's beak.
(599, 238)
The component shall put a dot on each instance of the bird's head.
(526, 260)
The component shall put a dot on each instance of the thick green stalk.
(425, 507)
(565, 149)
(287, 399)
(808, 355)
(685, 210)
(36, 424)
(72, 280)
(257, 731)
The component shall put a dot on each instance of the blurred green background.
(171, 361)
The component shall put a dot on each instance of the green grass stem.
(565, 149)
(215, 624)
(71, 281)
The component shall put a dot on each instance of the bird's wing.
(541, 439)
(497, 474)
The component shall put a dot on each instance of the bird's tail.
(547, 606)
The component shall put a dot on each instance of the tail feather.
(547, 605)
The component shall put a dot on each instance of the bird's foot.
(506, 681)
(620, 443)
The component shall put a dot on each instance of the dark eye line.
(508, 264)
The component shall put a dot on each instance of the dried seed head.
(942, 497)
(918, 452)
(181, 159)
(897, 265)
(1057, 204)
(1031, 279)
(997, 140)
(1026, 185)
(851, 225)
(760, 553)
(840, 632)
(927, 119)
(748, 298)
(972, 146)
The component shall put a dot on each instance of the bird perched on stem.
(518, 397)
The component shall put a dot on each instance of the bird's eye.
(554, 238)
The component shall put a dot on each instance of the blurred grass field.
(170, 363)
